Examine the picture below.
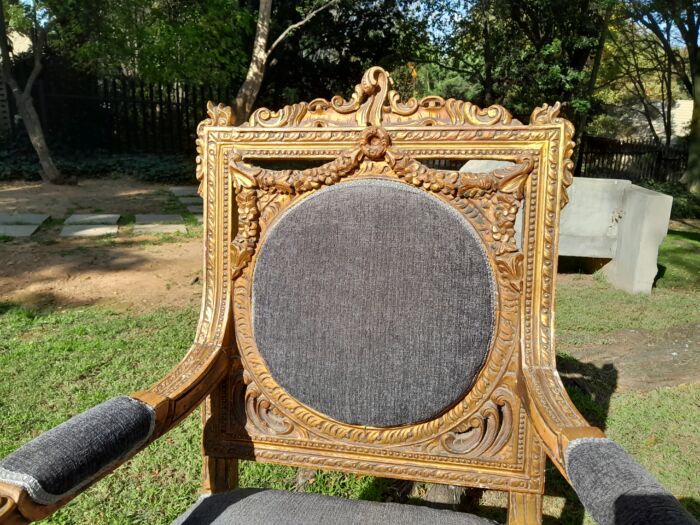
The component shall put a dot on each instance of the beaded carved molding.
(487, 438)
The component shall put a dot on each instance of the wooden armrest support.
(553, 414)
(172, 399)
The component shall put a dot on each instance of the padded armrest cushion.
(616, 490)
(61, 461)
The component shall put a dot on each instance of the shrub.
(686, 205)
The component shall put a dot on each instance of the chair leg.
(524, 509)
(219, 474)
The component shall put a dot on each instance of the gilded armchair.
(368, 314)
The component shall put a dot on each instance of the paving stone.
(87, 230)
(146, 229)
(190, 200)
(17, 230)
(22, 218)
(195, 209)
(92, 218)
(184, 191)
(155, 218)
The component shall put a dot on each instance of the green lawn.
(60, 362)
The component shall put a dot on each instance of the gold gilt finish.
(497, 435)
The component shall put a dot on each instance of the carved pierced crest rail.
(487, 438)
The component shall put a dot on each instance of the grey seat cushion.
(67, 457)
(616, 490)
(373, 303)
(277, 507)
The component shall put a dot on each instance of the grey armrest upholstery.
(616, 490)
(61, 461)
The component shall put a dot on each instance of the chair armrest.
(616, 490)
(46, 473)
(61, 461)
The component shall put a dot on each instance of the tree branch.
(297, 25)
(38, 48)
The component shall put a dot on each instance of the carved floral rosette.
(485, 438)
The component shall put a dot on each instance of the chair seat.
(277, 507)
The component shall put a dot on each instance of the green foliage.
(686, 205)
(150, 168)
(515, 53)
(175, 40)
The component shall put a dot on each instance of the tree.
(248, 92)
(518, 53)
(33, 28)
(676, 25)
(637, 79)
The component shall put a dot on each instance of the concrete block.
(22, 218)
(156, 218)
(642, 228)
(87, 230)
(184, 191)
(149, 229)
(92, 218)
(190, 200)
(17, 230)
(589, 222)
(484, 165)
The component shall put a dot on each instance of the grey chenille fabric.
(67, 457)
(616, 490)
(373, 303)
(277, 507)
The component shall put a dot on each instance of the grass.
(64, 361)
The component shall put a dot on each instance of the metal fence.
(633, 160)
(120, 115)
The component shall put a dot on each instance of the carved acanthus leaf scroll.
(374, 103)
(486, 432)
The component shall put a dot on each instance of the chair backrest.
(378, 313)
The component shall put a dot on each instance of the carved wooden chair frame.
(517, 410)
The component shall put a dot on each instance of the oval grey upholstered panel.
(373, 303)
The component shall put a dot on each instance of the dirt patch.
(127, 274)
(123, 196)
(639, 360)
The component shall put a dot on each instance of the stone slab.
(88, 230)
(147, 229)
(200, 218)
(17, 230)
(155, 218)
(195, 209)
(190, 200)
(93, 218)
(22, 218)
(184, 191)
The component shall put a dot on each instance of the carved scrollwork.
(373, 102)
(486, 432)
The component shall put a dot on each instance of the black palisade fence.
(633, 160)
(121, 115)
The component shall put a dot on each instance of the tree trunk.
(25, 104)
(691, 177)
(248, 92)
(32, 123)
